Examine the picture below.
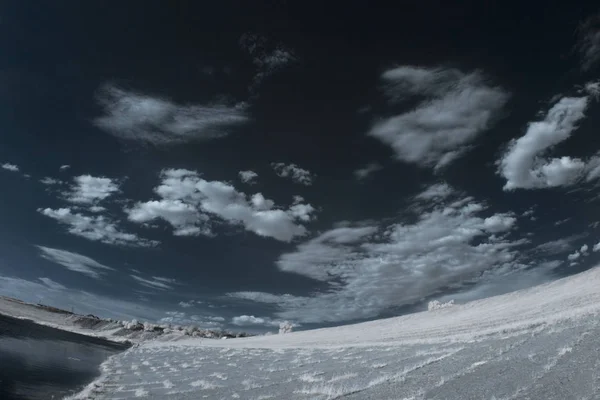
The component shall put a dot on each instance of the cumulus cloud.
(248, 177)
(371, 268)
(74, 262)
(364, 172)
(588, 44)
(524, 165)
(267, 57)
(10, 167)
(156, 282)
(184, 218)
(89, 189)
(455, 108)
(64, 167)
(189, 203)
(135, 116)
(294, 172)
(51, 284)
(96, 228)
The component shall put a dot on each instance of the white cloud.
(524, 166)
(185, 304)
(499, 223)
(297, 174)
(190, 202)
(156, 282)
(574, 256)
(90, 189)
(456, 108)
(51, 284)
(135, 116)
(584, 248)
(185, 218)
(589, 42)
(64, 167)
(10, 167)
(364, 172)
(75, 262)
(96, 228)
(50, 181)
(248, 177)
(370, 268)
(596, 247)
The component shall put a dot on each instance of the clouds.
(369, 169)
(267, 57)
(156, 282)
(51, 284)
(90, 189)
(371, 268)
(455, 108)
(74, 262)
(294, 172)
(135, 116)
(96, 228)
(524, 164)
(10, 167)
(190, 204)
(588, 44)
(248, 177)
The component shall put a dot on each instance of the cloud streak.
(134, 116)
(74, 262)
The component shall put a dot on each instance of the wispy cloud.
(266, 56)
(367, 170)
(51, 284)
(135, 116)
(80, 301)
(156, 282)
(456, 108)
(294, 172)
(588, 44)
(96, 228)
(74, 262)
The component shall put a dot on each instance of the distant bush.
(285, 327)
(436, 305)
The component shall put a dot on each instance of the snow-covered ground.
(539, 343)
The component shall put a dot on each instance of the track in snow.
(541, 343)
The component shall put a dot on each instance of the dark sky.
(245, 163)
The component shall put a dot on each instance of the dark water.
(37, 362)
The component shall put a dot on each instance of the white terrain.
(538, 343)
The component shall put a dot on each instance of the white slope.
(539, 343)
